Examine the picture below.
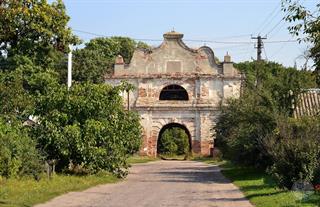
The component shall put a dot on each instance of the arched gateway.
(176, 125)
(177, 85)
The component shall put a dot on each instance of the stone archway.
(150, 143)
(172, 125)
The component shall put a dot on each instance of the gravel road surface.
(160, 183)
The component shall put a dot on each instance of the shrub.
(174, 141)
(242, 127)
(18, 154)
(87, 127)
(295, 151)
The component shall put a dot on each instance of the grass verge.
(27, 191)
(209, 160)
(262, 191)
(141, 159)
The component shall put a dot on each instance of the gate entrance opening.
(174, 140)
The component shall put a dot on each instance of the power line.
(187, 40)
(278, 30)
(218, 42)
(233, 37)
(100, 35)
(283, 18)
(157, 40)
(234, 46)
(274, 26)
(281, 47)
(268, 20)
(281, 41)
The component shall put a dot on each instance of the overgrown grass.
(262, 191)
(141, 159)
(27, 191)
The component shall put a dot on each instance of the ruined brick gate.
(177, 86)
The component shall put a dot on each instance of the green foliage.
(282, 84)
(28, 192)
(97, 58)
(254, 130)
(295, 151)
(18, 154)
(242, 127)
(167, 144)
(88, 127)
(20, 87)
(307, 23)
(89, 65)
(134, 159)
(261, 189)
(270, 91)
(14, 100)
(35, 29)
(173, 141)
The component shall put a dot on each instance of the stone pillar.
(228, 68)
(206, 143)
(196, 148)
(119, 64)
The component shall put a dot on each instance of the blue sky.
(211, 20)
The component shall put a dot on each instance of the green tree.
(35, 29)
(173, 141)
(87, 126)
(89, 65)
(307, 23)
(33, 38)
(97, 58)
(167, 144)
(20, 87)
(269, 92)
(295, 151)
(18, 153)
(280, 83)
(242, 127)
(15, 102)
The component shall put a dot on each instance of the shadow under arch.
(172, 125)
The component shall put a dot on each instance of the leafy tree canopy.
(173, 141)
(269, 92)
(97, 58)
(34, 28)
(87, 127)
(307, 23)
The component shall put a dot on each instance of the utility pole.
(69, 79)
(259, 46)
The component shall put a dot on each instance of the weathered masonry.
(177, 86)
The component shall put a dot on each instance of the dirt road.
(161, 183)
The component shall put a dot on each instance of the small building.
(177, 86)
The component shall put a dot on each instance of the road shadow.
(196, 174)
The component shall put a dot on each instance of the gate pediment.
(172, 56)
